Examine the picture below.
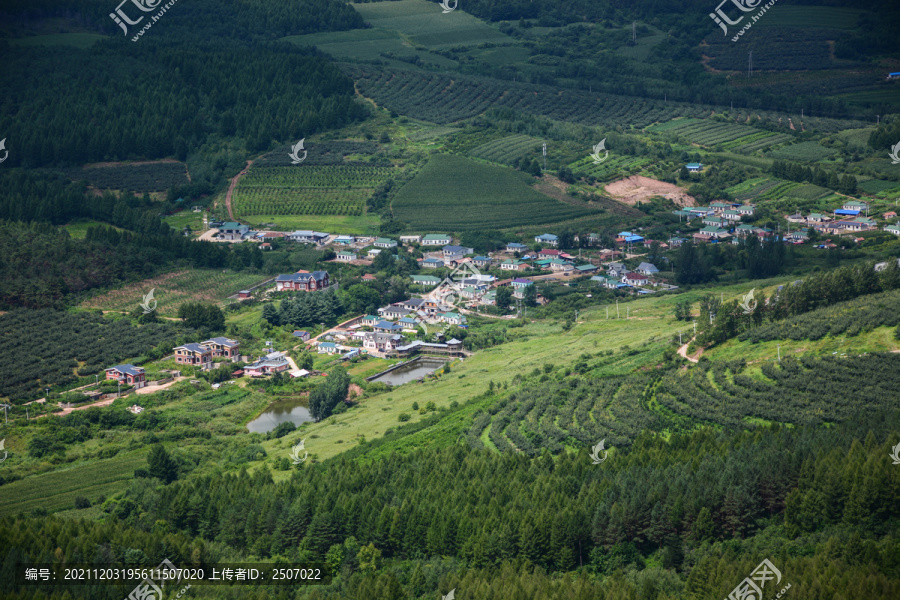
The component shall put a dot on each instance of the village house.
(456, 252)
(346, 256)
(265, 246)
(547, 238)
(408, 323)
(516, 247)
(895, 228)
(436, 239)
(617, 270)
(796, 218)
(393, 311)
(731, 216)
(271, 235)
(513, 265)
(709, 234)
(369, 321)
(309, 237)
(615, 284)
(303, 336)
(232, 231)
(369, 277)
(422, 304)
(855, 205)
(675, 242)
(817, 218)
(585, 269)
(694, 167)
(482, 261)
(373, 252)
(720, 207)
(381, 342)
(798, 237)
(274, 362)
(410, 239)
(222, 347)
(385, 243)
(327, 348)
(714, 222)
(302, 281)
(625, 238)
(560, 266)
(428, 281)
(127, 374)
(432, 263)
(745, 210)
(647, 269)
(193, 354)
(452, 318)
(635, 279)
(387, 327)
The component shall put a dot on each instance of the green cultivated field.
(57, 490)
(425, 23)
(811, 16)
(804, 151)
(507, 149)
(76, 40)
(458, 194)
(340, 190)
(174, 289)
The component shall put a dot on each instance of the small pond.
(280, 412)
(414, 369)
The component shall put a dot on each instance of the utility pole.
(607, 313)
(634, 31)
(750, 65)
(617, 308)
(544, 151)
(779, 352)
(5, 408)
(679, 339)
(695, 328)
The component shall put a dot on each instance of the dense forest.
(687, 518)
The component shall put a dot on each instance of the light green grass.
(362, 224)
(75, 40)
(171, 290)
(78, 229)
(366, 45)
(425, 23)
(57, 490)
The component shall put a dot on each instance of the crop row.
(507, 149)
(298, 201)
(316, 176)
(151, 177)
(764, 142)
(323, 153)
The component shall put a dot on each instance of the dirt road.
(231, 187)
(682, 352)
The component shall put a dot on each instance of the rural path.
(152, 388)
(66, 411)
(682, 352)
(295, 371)
(231, 187)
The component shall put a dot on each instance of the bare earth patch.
(638, 188)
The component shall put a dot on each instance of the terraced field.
(611, 168)
(457, 194)
(804, 151)
(508, 149)
(312, 190)
(731, 136)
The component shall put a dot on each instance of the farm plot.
(137, 177)
(349, 153)
(711, 133)
(313, 190)
(57, 490)
(174, 289)
(611, 168)
(804, 151)
(875, 186)
(507, 149)
(454, 193)
(424, 23)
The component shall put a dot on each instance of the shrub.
(403, 417)
(82, 502)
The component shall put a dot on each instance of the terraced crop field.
(804, 151)
(313, 190)
(875, 186)
(711, 133)
(507, 149)
(454, 193)
(174, 289)
(611, 168)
